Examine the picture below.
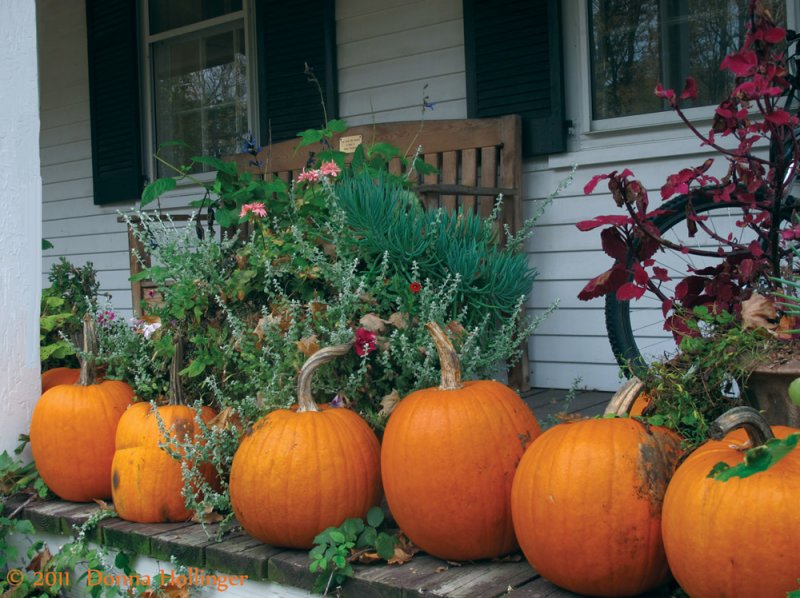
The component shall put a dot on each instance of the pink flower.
(256, 208)
(365, 342)
(329, 169)
(310, 176)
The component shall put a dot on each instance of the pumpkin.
(73, 428)
(298, 472)
(55, 376)
(735, 533)
(586, 504)
(448, 460)
(146, 482)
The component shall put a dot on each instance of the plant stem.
(88, 375)
(448, 358)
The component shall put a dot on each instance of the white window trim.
(147, 99)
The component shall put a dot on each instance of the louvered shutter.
(114, 100)
(291, 34)
(514, 66)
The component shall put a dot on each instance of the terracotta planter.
(767, 390)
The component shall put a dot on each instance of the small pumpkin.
(73, 428)
(301, 471)
(146, 482)
(55, 376)
(735, 532)
(448, 460)
(587, 501)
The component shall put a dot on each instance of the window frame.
(147, 98)
(578, 60)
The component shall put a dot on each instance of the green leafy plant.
(337, 548)
(691, 389)
(19, 476)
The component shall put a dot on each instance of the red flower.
(365, 342)
(415, 287)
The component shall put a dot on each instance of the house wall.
(20, 226)
(388, 52)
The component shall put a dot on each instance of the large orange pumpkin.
(736, 537)
(587, 503)
(448, 460)
(73, 428)
(147, 482)
(55, 376)
(301, 471)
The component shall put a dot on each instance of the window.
(199, 78)
(638, 43)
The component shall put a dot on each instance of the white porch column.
(20, 220)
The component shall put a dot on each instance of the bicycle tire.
(621, 333)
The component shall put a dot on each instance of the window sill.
(240, 554)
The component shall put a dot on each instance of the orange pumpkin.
(587, 503)
(299, 472)
(55, 376)
(73, 428)
(735, 537)
(448, 460)
(147, 482)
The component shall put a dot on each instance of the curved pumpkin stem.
(88, 375)
(757, 428)
(305, 401)
(176, 396)
(448, 358)
(623, 399)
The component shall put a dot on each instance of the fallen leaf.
(759, 312)
(103, 505)
(388, 403)
(404, 550)
(208, 515)
(456, 329)
(39, 562)
(225, 419)
(399, 320)
(373, 323)
(440, 569)
(309, 345)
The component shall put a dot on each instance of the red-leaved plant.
(752, 114)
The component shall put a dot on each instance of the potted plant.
(729, 231)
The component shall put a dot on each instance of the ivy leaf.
(757, 459)
(46, 245)
(216, 164)
(336, 125)
(195, 368)
(385, 546)
(337, 536)
(226, 217)
(367, 538)
(309, 137)
(156, 189)
(375, 516)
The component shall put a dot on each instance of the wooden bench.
(476, 160)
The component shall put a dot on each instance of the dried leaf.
(225, 419)
(208, 515)
(367, 558)
(399, 320)
(441, 569)
(760, 312)
(39, 562)
(103, 505)
(404, 550)
(515, 557)
(373, 323)
(456, 329)
(389, 402)
(309, 345)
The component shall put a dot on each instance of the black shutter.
(514, 66)
(291, 34)
(114, 100)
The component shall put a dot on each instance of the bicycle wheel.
(636, 329)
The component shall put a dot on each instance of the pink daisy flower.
(256, 208)
(329, 169)
(310, 176)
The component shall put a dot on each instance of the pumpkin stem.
(757, 428)
(305, 401)
(448, 358)
(176, 396)
(88, 375)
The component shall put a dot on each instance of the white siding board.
(403, 95)
(403, 17)
(443, 110)
(59, 154)
(67, 171)
(348, 9)
(446, 61)
(77, 131)
(65, 114)
(65, 191)
(416, 42)
(101, 261)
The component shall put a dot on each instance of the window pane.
(637, 44)
(170, 14)
(200, 95)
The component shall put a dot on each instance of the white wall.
(20, 225)
(387, 52)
